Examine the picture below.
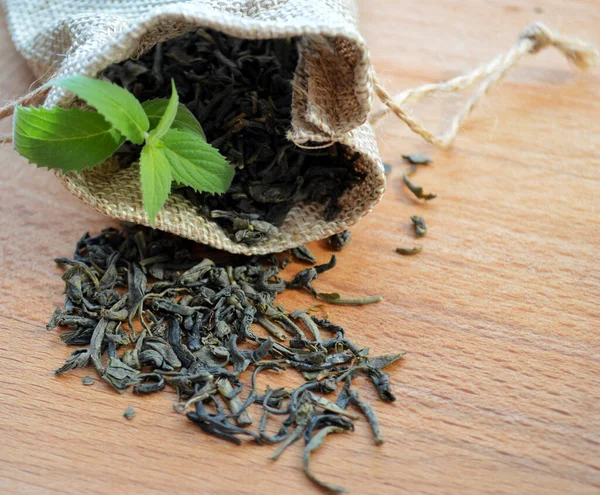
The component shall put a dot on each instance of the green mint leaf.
(196, 163)
(65, 139)
(118, 106)
(184, 119)
(164, 124)
(155, 177)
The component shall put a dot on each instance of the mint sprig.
(174, 145)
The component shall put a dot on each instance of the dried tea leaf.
(302, 253)
(96, 341)
(306, 276)
(129, 413)
(338, 241)
(382, 384)
(330, 406)
(111, 275)
(88, 380)
(290, 439)
(335, 298)
(119, 375)
(314, 444)
(417, 159)
(80, 358)
(151, 382)
(272, 328)
(241, 416)
(136, 280)
(420, 226)
(409, 251)
(369, 413)
(380, 362)
(417, 190)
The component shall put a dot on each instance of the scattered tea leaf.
(381, 362)
(242, 418)
(119, 375)
(192, 320)
(129, 413)
(291, 438)
(338, 241)
(330, 406)
(417, 159)
(369, 413)
(272, 328)
(335, 298)
(420, 226)
(80, 358)
(151, 382)
(409, 251)
(302, 253)
(416, 190)
(88, 380)
(305, 277)
(314, 444)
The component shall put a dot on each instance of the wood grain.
(500, 391)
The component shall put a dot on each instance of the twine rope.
(533, 39)
(8, 108)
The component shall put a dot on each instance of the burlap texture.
(332, 95)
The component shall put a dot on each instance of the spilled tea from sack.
(146, 312)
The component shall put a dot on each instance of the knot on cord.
(581, 54)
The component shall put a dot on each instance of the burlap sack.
(331, 100)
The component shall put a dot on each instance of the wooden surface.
(500, 391)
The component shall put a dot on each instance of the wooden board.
(500, 391)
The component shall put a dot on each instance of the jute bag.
(334, 86)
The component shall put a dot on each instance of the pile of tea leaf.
(147, 313)
(241, 93)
